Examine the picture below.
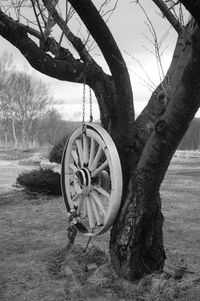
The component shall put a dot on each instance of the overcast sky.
(128, 28)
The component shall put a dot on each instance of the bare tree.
(23, 100)
(146, 144)
(6, 68)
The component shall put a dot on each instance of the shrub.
(56, 152)
(40, 181)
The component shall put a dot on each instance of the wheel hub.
(83, 181)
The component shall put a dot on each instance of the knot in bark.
(161, 127)
(161, 103)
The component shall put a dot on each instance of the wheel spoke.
(73, 167)
(85, 149)
(80, 151)
(97, 200)
(83, 209)
(90, 212)
(96, 213)
(96, 159)
(100, 168)
(75, 156)
(80, 206)
(92, 152)
(102, 192)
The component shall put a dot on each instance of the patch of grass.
(19, 153)
(34, 260)
(29, 232)
(14, 154)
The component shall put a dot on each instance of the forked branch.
(76, 42)
(169, 15)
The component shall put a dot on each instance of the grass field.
(35, 264)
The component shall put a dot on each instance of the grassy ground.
(35, 264)
(18, 154)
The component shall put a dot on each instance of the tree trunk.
(6, 139)
(23, 134)
(14, 133)
(136, 244)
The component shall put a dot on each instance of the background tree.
(6, 67)
(146, 144)
(23, 101)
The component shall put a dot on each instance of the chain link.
(83, 104)
(91, 116)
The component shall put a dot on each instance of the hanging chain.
(91, 117)
(83, 104)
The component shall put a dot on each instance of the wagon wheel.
(91, 179)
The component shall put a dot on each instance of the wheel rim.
(91, 178)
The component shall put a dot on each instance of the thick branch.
(156, 106)
(69, 69)
(171, 127)
(168, 14)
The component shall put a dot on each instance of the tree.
(146, 144)
(6, 67)
(24, 100)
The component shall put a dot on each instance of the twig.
(38, 21)
(141, 66)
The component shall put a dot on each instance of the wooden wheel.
(91, 179)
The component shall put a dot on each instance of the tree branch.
(156, 107)
(76, 42)
(170, 128)
(68, 69)
(101, 34)
(170, 17)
